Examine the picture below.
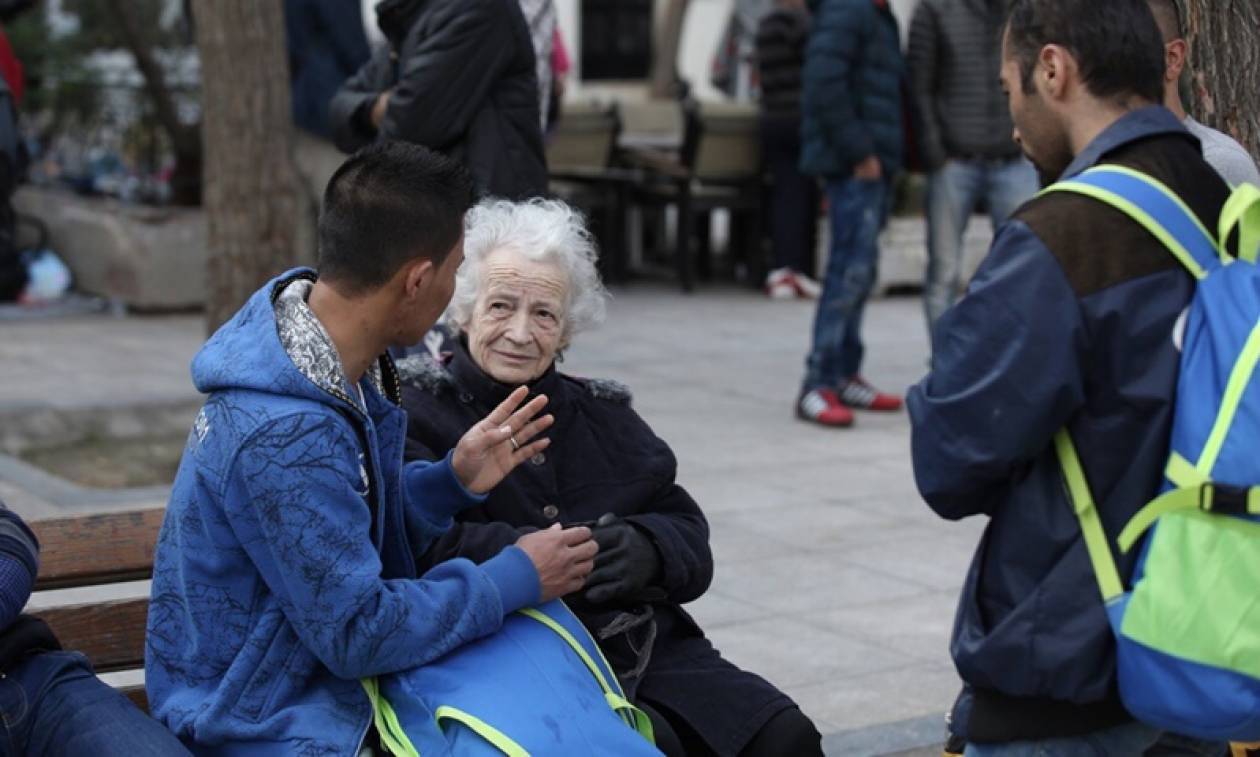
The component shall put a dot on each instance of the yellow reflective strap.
(1182, 473)
(1242, 211)
(1217, 242)
(642, 723)
(631, 715)
(563, 633)
(1176, 499)
(1239, 378)
(483, 729)
(1137, 214)
(1196, 497)
(1095, 537)
(393, 737)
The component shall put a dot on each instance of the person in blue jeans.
(954, 192)
(964, 130)
(51, 702)
(851, 137)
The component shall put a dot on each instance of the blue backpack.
(1188, 625)
(540, 685)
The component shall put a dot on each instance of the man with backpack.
(1071, 324)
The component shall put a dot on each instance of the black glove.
(626, 564)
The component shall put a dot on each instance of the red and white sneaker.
(856, 393)
(823, 407)
(806, 288)
(780, 284)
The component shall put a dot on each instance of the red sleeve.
(11, 69)
(559, 55)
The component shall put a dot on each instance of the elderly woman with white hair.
(528, 286)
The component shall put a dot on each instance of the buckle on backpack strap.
(1224, 500)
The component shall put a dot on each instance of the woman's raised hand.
(501, 441)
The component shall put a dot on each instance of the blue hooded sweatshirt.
(285, 570)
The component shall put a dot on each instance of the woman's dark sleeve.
(681, 534)
(475, 541)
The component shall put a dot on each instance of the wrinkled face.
(518, 321)
(1038, 130)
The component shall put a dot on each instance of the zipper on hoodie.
(359, 424)
(358, 750)
(361, 433)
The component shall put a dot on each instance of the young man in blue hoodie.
(285, 572)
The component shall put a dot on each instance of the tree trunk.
(1224, 37)
(665, 54)
(252, 190)
(185, 141)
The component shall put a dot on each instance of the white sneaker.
(780, 284)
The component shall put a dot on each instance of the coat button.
(551, 512)
(538, 459)
(466, 398)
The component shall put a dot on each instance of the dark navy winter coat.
(852, 98)
(603, 458)
(1068, 323)
(327, 44)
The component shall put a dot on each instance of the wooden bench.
(96, 550)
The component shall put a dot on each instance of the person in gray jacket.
(964, 130)
(1220, 150)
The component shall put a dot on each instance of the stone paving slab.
(833, 580)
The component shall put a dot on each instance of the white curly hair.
(543, 230)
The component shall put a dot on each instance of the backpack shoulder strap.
(1156, 208)
(1242, 212)
(1097, 547)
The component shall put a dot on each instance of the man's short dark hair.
(1116, 43)
(388, 204)
(1168, 16)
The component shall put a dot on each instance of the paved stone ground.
(833, 579)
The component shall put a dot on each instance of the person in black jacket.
(964, 131)
(51, 702)
(781, 38)
(527, 286)
(1070, 323)
(458, 77)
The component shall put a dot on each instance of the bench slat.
(97, 549)
(137, 696)
(111, 634)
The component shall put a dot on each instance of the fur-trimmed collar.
(432, 375)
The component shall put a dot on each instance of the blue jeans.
(1129, 740)
(54, 705)
(857, 209)
(954, 191)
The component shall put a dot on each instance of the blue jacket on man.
(852, 89)
(285, 572)
(1069, 322)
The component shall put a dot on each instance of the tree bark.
(252, 190)
(1224, 37)
(665, 55)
